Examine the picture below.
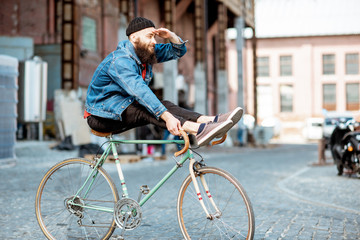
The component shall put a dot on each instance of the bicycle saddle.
(101, 134)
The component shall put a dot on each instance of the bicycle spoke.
(65, 216)
(52, 216)
(57, 226)
(228, 200)
(91, 220)
(232, 222)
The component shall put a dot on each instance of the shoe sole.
(235, 117)
(221, 129)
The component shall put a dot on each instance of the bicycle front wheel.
(231, 212)
(62, 214)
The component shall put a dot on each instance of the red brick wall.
(107, 36)
(24, 18)
(37, 19)
(111, 25)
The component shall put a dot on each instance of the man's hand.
(172, 123)
(167, 34)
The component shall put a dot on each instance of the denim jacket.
(117, 81)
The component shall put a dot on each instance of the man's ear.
(133, 38)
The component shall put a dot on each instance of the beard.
(145, 53)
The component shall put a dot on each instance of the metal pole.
(239, 25)
(253, 41)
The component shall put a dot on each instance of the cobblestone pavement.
(291, 198)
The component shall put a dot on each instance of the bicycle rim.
(236, 220)
(60, 220)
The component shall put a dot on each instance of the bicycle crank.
(127, 214)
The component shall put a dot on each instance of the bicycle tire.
(237, 217)
(59, 220)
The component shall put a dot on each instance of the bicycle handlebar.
(219, 141)
(187, 143)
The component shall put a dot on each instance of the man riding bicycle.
(119, 98)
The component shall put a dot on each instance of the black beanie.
(137, 24)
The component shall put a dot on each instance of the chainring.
(128, 212)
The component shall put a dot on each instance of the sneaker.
(208, 131)
(235, 116)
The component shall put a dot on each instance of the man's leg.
(104, 124)
(186, 114)
(181, 113)
(134, 116)
(137, 115)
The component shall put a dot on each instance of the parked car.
(313, 128)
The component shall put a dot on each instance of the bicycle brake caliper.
(198, 164)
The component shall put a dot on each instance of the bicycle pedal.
(144, 189)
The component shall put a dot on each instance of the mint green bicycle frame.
(112, 147)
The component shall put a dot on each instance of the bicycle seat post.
(118, 167)
(110, 137)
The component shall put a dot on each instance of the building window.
(328, 64)
(285, 65)
(262, 66)
(286, 98)
(89, 34)
(352, 63)
(352, 97)
(329, 97)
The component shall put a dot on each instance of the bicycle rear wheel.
(59, 218)
(235, 219)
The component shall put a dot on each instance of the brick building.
(73, 36)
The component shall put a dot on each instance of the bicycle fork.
(206, 188)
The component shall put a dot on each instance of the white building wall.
(307, 78)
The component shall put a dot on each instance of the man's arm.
(172, 123)
(169, 51)
(167, 34)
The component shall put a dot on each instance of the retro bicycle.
(77, 199)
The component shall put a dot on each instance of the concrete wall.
(52, 55)
(21, 48)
